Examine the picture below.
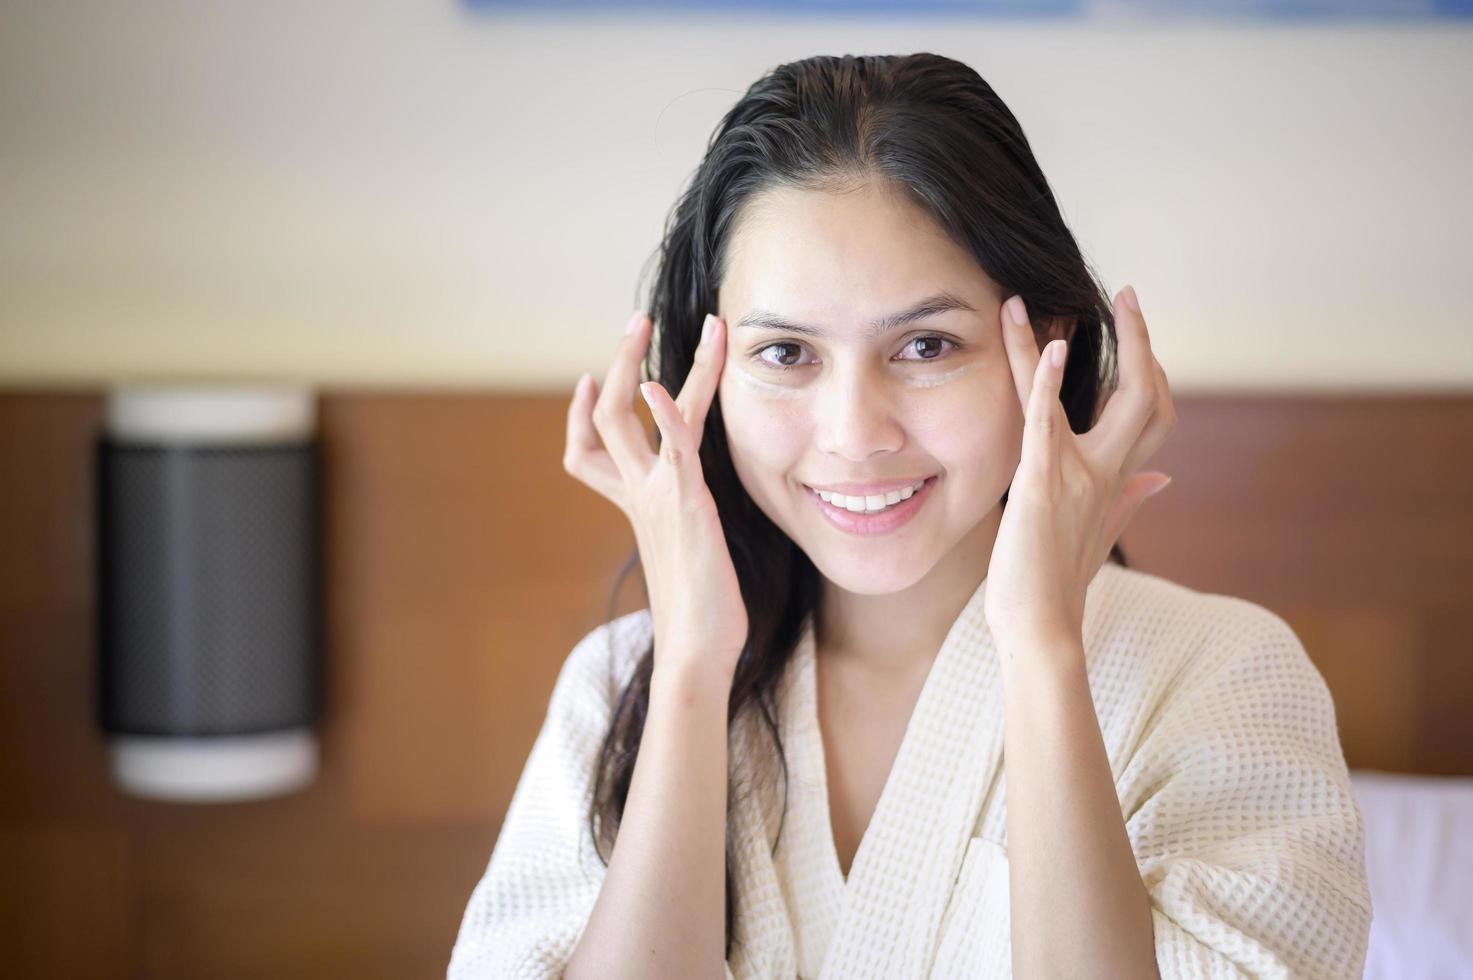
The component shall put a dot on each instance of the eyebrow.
(942, 302)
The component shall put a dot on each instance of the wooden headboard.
(462, 565)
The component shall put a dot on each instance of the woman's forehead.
(820, 256)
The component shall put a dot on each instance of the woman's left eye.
(927, 348)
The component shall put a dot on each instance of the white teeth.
(869, 503)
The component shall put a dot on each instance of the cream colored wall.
(410, 193)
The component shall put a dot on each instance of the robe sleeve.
(1248, 838)
(530, 907)
(528, 911)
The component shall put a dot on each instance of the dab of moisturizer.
(932, 380)
(767, 388)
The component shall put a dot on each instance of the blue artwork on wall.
(1312, 10)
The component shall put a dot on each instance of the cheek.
(974, 430)
(766, 435)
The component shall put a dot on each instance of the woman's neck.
(901, 632)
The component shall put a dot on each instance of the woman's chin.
(875, 574)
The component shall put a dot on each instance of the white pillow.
(1419, 863)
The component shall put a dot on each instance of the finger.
(1159, 425)
(694, 399)
(1167, 409)
(584, 456)
(677, 444)
(613, 412)
(1162, 421)
(1136, 396)
(1164, 416)
(1044, 421)
(1021, 347)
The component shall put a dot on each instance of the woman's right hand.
(699, 617)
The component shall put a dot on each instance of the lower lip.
(882, 522)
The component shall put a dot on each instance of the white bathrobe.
(1222, 741)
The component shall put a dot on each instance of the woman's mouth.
(871, 513)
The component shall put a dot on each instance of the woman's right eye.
(783, 360)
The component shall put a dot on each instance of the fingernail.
(1017, 311)
(633, 322)
(706, 327)
(644, 390)
(1131, 300)
(1058, 352)
(1160, 488)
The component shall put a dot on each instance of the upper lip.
(867, 489)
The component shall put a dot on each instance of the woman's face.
(827, 405)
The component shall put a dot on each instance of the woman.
(891, 468)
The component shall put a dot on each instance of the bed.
(1419, 859)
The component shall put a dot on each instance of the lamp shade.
(209, 591)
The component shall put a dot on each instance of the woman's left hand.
(1072, 495)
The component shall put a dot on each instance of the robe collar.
(885, 917)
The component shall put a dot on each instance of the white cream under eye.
(769, 389)
(932, 380)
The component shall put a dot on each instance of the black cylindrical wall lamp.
(209, 591)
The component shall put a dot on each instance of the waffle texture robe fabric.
(1222, 740)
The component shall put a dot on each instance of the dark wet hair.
(932, 127)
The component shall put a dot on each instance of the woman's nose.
(855, 417)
